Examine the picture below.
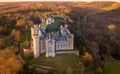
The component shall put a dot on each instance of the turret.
(66, 27)
(50, 20)
(36, 46)
(50, 46)
(36, 34)
(61, 29)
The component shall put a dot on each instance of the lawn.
(54, 27)
(59, 61)
(113, 67)
(87, 71)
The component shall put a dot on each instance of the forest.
(96, 25)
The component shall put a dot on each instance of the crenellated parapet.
(50, 42)
(35, 31)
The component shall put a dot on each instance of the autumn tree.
(4, 42)
(98, 70)
(3, 20)
(63, 9)
(21, 23)
(9, 64)
(16, 34)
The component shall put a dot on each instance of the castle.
(50, 42)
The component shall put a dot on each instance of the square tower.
(50, 47)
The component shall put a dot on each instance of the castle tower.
(66, 26)
(50, 46)
(36, 46)
(35, 32)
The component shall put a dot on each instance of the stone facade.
(49, 43)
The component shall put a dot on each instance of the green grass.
(87, 71)
(113, 67)
(54, 27)
(59, 61)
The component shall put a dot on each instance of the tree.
(87, 59)
(98, 70)
(102, 48)
(3, 20)
(9, 64)
(87, 56)
(21, 23)
(4, 42)
(16, 34)
(111, 27)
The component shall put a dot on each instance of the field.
(113, 67)
(57, 62)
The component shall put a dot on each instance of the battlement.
(49, 42)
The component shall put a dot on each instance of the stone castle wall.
(49, 42)
(50, 48)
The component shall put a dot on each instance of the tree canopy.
(9, 64)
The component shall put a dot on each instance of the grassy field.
(113, 67)
(87, 71)
(59, 61)
(65, 61)
(54, 27)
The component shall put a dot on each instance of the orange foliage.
(111, 27)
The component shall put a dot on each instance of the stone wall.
(65, 45)
(50, 48)
(75, 52)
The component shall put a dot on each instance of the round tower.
(36, 46)
(36, 33)
(32, 31)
